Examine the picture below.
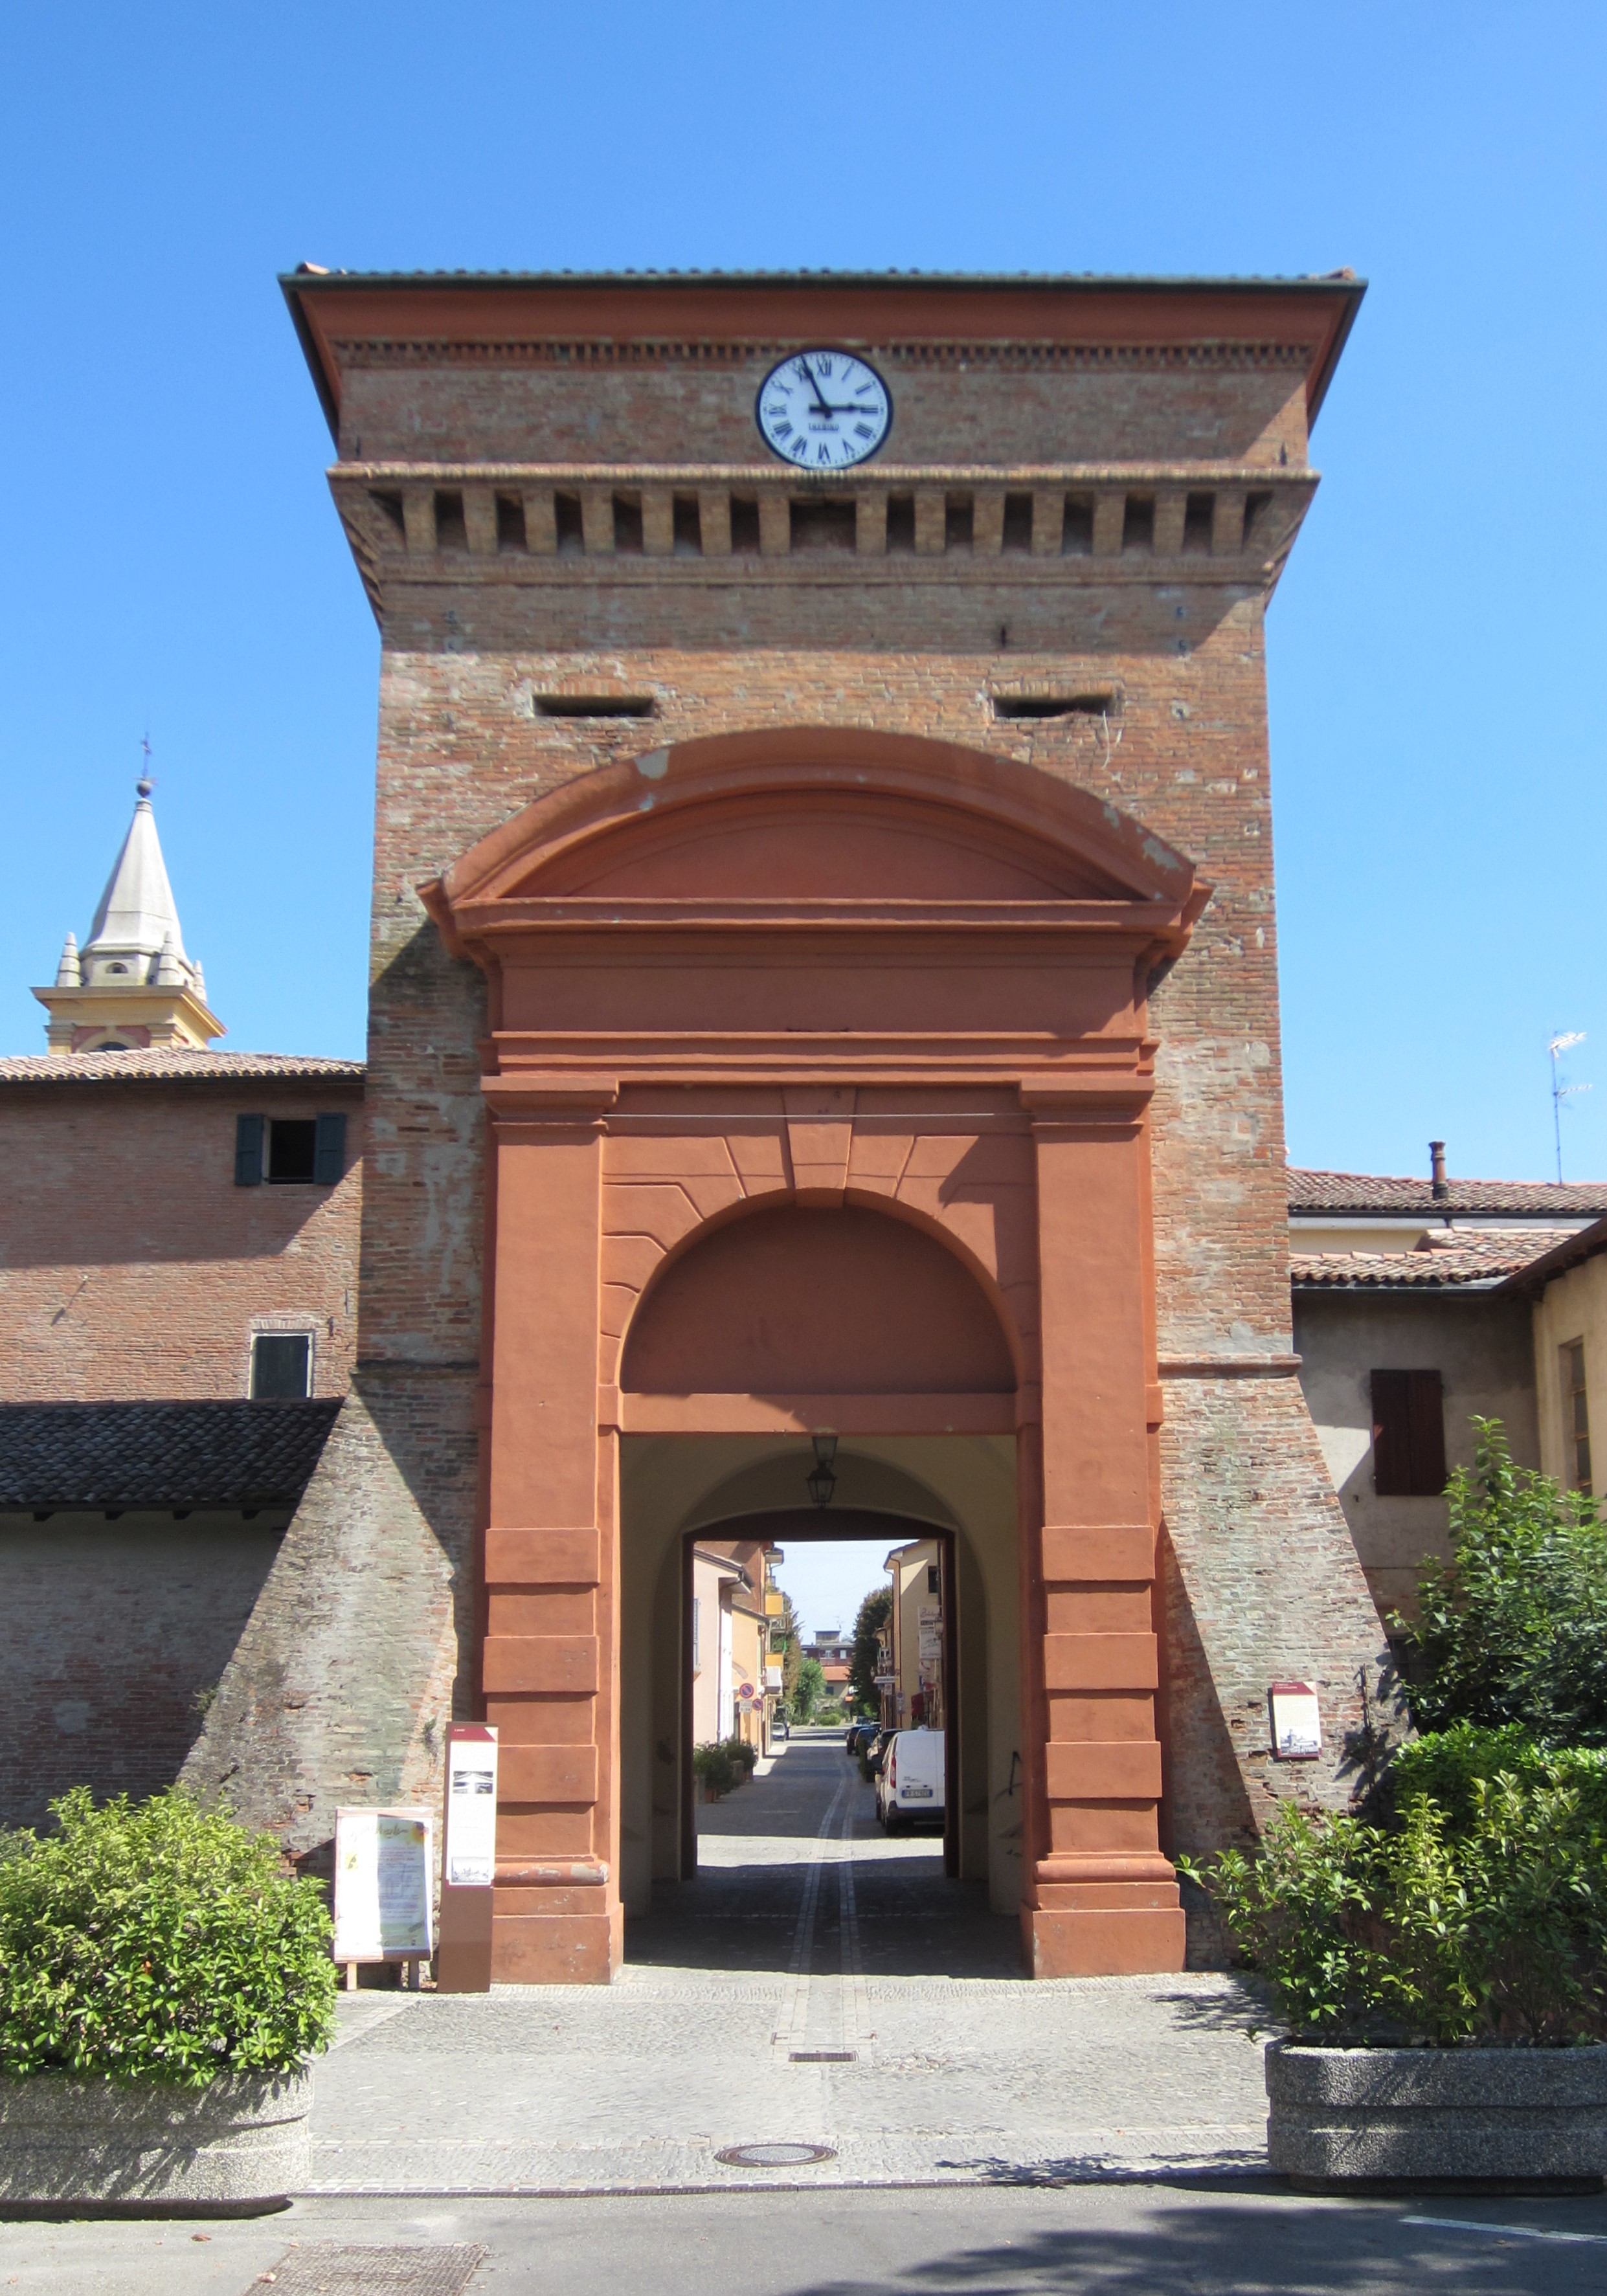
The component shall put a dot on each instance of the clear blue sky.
(172, 560)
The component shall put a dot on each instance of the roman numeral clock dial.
(823, 410)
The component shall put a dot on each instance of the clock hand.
(820, 405)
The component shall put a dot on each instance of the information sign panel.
(384, 1877)
(471, 1811)
(1296, 1726)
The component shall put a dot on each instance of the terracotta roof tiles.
(177, 1068)
(1362, 1192)
(224, 1452)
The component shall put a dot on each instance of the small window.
(1576, 1418)
(629, 539)
(292, 1148)
(1198, 518)
(1076, 528)
(931, 1578)
(688, 526)
(281, 1364)
(744, 526)
(1138, 523)
(569, 525)
(1408, 1435)
(1017, 533)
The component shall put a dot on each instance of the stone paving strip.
(638, 2087)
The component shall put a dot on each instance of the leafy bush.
(1477, 1913)
(712, 1766)
(808, 1689)
(1514, 1629)
(744, 1758)
(158, 1941)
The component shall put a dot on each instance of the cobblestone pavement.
(816, 1986)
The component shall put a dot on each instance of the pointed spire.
(131, 984)
(137, 913)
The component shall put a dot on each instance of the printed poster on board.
(384, 1875)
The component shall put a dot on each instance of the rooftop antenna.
(1560, 1089)
(147, 780)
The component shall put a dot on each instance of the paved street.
(774, 2002)
(1090, 2240)
(817, 1987)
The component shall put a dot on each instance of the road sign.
(746, 1690)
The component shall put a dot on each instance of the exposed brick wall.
(343, 1683)
(132, 1266)
(325, 1696)
(111, 1634)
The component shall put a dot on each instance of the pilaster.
(1101, 1899)
(549, 1670)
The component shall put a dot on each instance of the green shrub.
(744, 1757)
(1478, 1912)
(712, 1766)
(157, 1940)
(1514, 1629)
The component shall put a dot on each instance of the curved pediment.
(816, 845)
(814, 814)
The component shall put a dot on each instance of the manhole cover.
(774, 2156)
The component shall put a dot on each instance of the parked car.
(909, 1785)
(875, 1753)
(859, 1736)
(780, 1728)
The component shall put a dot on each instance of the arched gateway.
(818, 1074)
(852, 891)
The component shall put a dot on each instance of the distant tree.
(784, 1641)
(808, 1689)
(863, 1665)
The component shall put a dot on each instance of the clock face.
(823, 410)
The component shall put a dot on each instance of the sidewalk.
(761, 2010)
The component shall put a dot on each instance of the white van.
(910, 1782)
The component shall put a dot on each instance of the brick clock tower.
(825, 984)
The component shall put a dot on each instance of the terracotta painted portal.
(818, 1080)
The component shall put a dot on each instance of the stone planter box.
(239, 2147)
(1457, 2118)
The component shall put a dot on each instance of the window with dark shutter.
(1408, 1434)
(329, 1151)
(248, 1132)
(282, 1366)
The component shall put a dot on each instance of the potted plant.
(743, 1758)
(164, 1983)
(1441, 1961)
(713, 1768)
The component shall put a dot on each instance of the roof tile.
(219, 1453)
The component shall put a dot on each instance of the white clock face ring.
(823, 410)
